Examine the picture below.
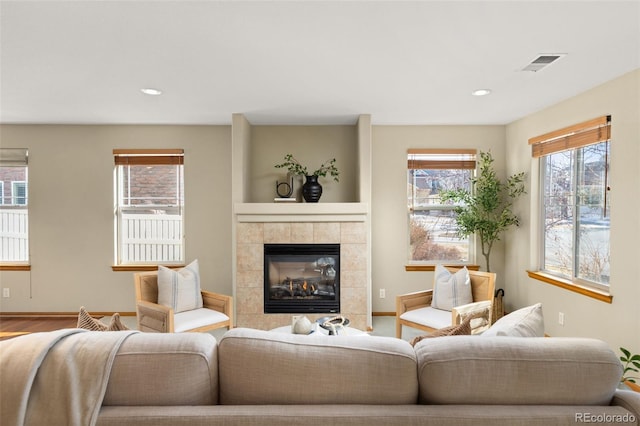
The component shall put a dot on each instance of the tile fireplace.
(352, 276)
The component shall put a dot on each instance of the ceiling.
(305, 62)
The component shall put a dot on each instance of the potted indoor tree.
(486, 209)
(311, 189)
(630, 365)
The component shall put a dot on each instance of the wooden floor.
(16, 326)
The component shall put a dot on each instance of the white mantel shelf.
(301, 212)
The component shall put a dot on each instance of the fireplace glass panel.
(302, 278)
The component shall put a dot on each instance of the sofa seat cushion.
(516, 371)
(355, 415)
(262, 367)
(431, 317)
(165, 369)
(188, 320)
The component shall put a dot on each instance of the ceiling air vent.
(543, 61)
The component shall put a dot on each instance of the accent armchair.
(415, 310)
(217, 310)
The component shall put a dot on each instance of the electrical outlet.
(6, 293)
(383, 293)
(561, 318)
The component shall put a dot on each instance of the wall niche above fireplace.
(302, 278)
(343, 220)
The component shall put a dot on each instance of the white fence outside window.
(145, 237)
(150, 238)
(14, 235)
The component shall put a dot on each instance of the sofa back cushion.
(165, 369)
(262, 367)
(516, 371)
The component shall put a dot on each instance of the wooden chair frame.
(482, 289)
(159, 318)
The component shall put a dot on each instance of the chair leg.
(398, 329)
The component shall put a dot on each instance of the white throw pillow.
(180, 290)
(525, 322)
(451, 290)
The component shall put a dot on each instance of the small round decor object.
(284, 189)
(333, 324)
(303, 326)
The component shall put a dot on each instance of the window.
(14, 206)
(432, 227)
(575, 217)
(19, 193)
(149, 196)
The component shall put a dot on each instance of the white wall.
(389, 201)
(617, 323)
(71, 212)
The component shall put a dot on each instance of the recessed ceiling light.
(151, 91)
(481, 92)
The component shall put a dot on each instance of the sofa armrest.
(154, 317)
(481, 310)
(411, 301)
(628, 400)
(219, 302)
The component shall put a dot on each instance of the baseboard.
(383, 314)
(60, 314)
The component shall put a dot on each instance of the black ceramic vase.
(311, 190)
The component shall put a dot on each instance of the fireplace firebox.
(302, 278)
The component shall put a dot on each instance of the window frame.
(570, 138)
(19, 158)
(147, 158)
(15, 184)
(438, 159)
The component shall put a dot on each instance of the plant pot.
(311, 190)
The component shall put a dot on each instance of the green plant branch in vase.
(311, 190)
(294, 167)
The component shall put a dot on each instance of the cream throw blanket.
(56, 378)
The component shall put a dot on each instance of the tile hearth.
(250, 240)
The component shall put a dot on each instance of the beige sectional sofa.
(256, 377)
(253, 377)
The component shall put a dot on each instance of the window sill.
(141, 268)
(571, 286)
(15, 267)
(417, 267)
